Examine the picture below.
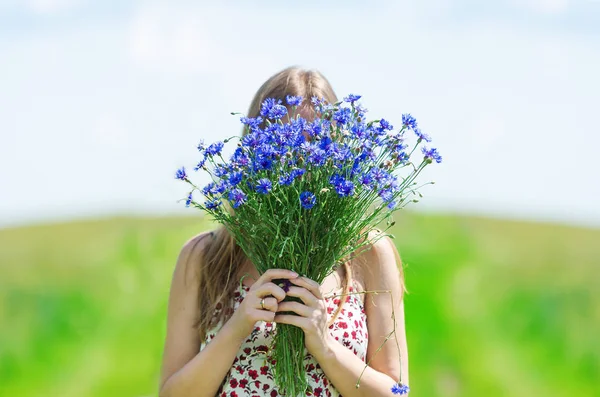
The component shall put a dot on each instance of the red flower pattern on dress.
(251, 373)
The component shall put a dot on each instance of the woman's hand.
(312, 315)
(250, 310)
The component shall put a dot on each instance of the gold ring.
(262, 303)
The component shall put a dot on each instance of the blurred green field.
(496, 308)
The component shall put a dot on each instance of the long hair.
(221, 260)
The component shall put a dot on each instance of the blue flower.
(297, 172)
(273, 109)
(264, 186)
(432, 155)
(400, 389)
(318, 157)
(180, 174)
(343, 115)
(421, 135)
(200, 164)
(278, 112)
(409, 121)
(252, 122)
(385, 125)
(342, 186)
(201, 145)
(308, 200)
(352, 98)
(238, 197)
(317, 102)
(235, 178)
(366, 179)
(286, 179)
(214, 149)
(220, 170)
(209, 189)
(294, 100)
(345, 189)
(212, 204)
(188, 201)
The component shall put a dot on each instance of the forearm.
(202, 376)
(343, 368)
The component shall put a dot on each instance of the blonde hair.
(221, 257)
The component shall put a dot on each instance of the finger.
(269, 289)
(305, 295)
(296, 307)
(309, 284)
(300, 322)
(270, 304)
(275, 273)
(263, 315)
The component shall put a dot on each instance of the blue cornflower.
(400, 389)
(294, 100)
(220, 171)
(262, 163)
(409, 121)
(359, 130)
(422, 136)
(286, 179)
(221, 186)
(239, 158)
(343, 187)
(297, 172)
(266, 106)
(273, 109)
(238, 197)
(252, 140)
(235, 178)
(278, 112)
(317, 102)
(252, 122)
(264, 186)
(214, 149)
(385, 125)
(188, 201)
(201, 145)
(180, 174)
(343, 115)
(200, 164)
(209, 189)
(352, 98)
(366, 179)
(318, 157)
(432, 155)
(402, 157)
(308, 200)
(212, 204)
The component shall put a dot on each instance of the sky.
(101, 101)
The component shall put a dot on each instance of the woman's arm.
(339, 364)
(187, 372)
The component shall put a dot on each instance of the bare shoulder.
(190, 254)
(379, 263)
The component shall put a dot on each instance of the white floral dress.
(251, 375)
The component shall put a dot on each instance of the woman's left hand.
(311, 316)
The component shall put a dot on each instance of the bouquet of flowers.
(304, 194)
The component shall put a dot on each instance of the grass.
(495, 308)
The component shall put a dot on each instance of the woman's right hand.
(250, 310)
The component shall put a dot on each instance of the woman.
(214, 347)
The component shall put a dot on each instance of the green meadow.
(495, 307)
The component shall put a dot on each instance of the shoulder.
(379, 263)
(190, 254)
